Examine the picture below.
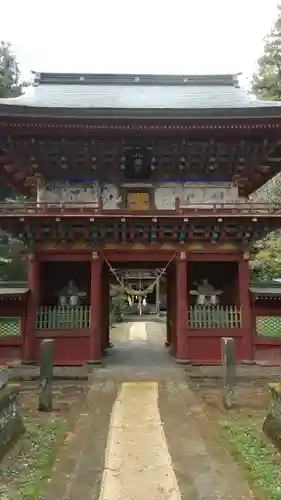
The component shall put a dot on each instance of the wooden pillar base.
(183, 361)
(95, 362)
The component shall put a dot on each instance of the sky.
(148, 36)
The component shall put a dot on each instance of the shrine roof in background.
(266, 289)
(11, 290)
(86, 95)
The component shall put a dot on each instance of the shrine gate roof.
(263, 290)
(70, 94)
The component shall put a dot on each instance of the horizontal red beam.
(213, 332)
(213, 254)
(64, 334)
(146, 255)
(65, 256)
(11, 341)
(267, 341)
(230, 210)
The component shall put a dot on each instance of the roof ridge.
(134, 79)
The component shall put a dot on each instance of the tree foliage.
(266, 253)
(266, 82)
(10, 85)
(12, 265)
(266, 258)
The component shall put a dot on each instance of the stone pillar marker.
(228, 371)
(45, 402)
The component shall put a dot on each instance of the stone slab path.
(137, 452)
(144, 438)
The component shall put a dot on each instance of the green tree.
(10, 85)
(266, 253)
(12, 266)
(266, 258)
(266, 82)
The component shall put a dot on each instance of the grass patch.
(27, 469)
(254, 456)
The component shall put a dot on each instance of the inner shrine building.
(137, 172)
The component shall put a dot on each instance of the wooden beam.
(4, 159)
(9, 179)
(274, 160)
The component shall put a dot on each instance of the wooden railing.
(95, 208)
(63, 318)
(201, 317)
(228, 208)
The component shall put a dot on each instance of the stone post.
(228, 371)
(45, 402)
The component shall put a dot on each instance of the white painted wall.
(68, 192)
(164, 195)
(76, 193)
(194, 193)
(110, 197)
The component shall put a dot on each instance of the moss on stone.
(13, 425)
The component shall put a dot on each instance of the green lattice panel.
(10, 327)
(268, 326)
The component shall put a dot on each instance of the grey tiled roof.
(268, 291)
(113, 95)
(15, 292)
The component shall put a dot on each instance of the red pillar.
(28, 351)
(181, 307)
(172, 308)
(168, 309)
(105, 308)
(245, 304)
(95, 344)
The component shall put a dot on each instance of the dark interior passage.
(56, 275)
(222, 276)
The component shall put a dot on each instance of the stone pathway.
(143, 433)
(138, 332)
(137, 451)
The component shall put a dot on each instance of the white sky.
(148, 36)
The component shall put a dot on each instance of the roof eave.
(20, 111)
